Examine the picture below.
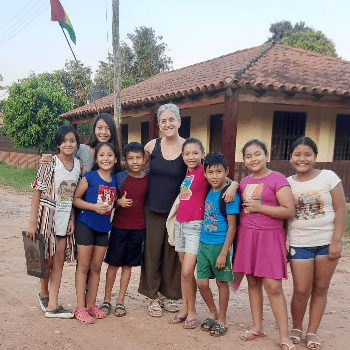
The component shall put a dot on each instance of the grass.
(17, 178)
(346, 237)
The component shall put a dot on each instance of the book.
(35, 255)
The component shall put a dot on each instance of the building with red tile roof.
(272, 92)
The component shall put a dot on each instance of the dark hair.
(133, 147)
(116, 167)
(304, 141)
(62, 131)
(214, 158)
(255, 142)
(93, 141)
(193, 140)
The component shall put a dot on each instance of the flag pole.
(69, 44)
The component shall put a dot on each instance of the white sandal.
(168, 305)
(311, 344)
(290, 347)
(155, 308)
(295, 338)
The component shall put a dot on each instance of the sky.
(194, 30)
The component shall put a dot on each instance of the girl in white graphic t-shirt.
(52, 215)
(315, 235)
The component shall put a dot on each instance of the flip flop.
(209, 322)
(120, 306)
(253, 336)
(220, 328)
(176, 319)
(106, 306)
(188, 324)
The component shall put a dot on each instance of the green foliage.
(75, 79)
(302, 37)
(17, 178)
(84, 128)
(311, 41)
(31, 112)
(2, 130)
(145, 58)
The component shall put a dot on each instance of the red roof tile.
(275, 67)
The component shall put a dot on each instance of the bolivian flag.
(58, 14)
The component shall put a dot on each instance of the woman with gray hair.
(161, 272)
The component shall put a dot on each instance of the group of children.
(205, 228)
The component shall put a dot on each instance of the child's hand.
(334, 250)
(230, 192)
(30, 231)
(124, 202)
(70, 228)
(45, 159)
(220, 261)
(101, 208)
(251, 206)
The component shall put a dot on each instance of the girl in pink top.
(267, 200)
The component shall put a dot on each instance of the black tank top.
(164, 180)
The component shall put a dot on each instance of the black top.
(164, 180)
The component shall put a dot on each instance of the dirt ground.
(23, 325)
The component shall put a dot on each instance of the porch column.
(229, 129)
(153, 124)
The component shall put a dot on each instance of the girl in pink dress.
(267, 200)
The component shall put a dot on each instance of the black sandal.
(106, 305)
(120, 307)
(219, 328)
(209, 322)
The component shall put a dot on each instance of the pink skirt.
(261, 253)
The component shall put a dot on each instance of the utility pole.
(117, 74)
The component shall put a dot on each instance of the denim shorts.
(187, 236)
(307, 253)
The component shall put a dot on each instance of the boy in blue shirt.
(218, 232)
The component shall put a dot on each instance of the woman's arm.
(339, 205)
(31, 229)
(148, 151)
(285, 209)
(100, 208)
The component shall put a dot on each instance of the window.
(124, 135)
(144, 132)
(215, 133)
(185, 128)
(342, 138)
(287, 127)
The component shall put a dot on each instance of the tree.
(302, 37)
(311, 41)
(75, 79)
(31, 112)
(143, 59)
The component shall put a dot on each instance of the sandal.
(190, 324)
(83, 316)
(155, 310)
(290, 347)
(209, 322)
(94, 311)
(311, 344)
(295, 339)
(253, 335)
(106, 306)
(176, 319)
(168, 305)
(219, 328)
(121, 307)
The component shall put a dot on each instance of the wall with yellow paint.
(255, 120)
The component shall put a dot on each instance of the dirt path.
(23, 325)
